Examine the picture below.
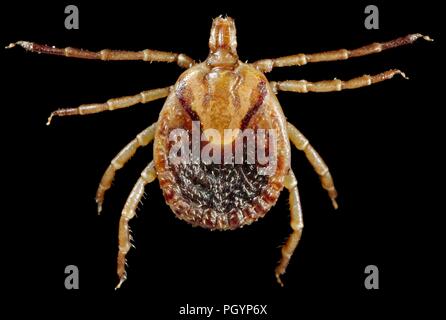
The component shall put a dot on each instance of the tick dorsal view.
(221, 142)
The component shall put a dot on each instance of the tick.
(220, 93)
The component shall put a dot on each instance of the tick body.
(219, 196)
(220, 94)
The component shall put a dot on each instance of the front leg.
(145, 55)
(266, 65)
(296, 224)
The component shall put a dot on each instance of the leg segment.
(148, 175)
(301, 143)
(112, 104)
(296, 224)
(303, 86)
(266, 65)
(145, 55)
(141, 140)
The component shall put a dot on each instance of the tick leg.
(148, 175)
(303, 86)
(302, 143)
(296, 224)
(112, 104)
(145, 55)
(141, 140)
(266, 65)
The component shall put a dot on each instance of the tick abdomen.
(224, 195)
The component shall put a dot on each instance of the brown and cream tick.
(221, 93)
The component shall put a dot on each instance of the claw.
(99, 208)
(403, 75)
(50, 118)
(121, 281)
(335, 204)
(279, 281)
(24, 44)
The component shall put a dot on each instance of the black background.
(380, 143)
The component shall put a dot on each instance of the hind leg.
(296, 224)
(147, 176)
